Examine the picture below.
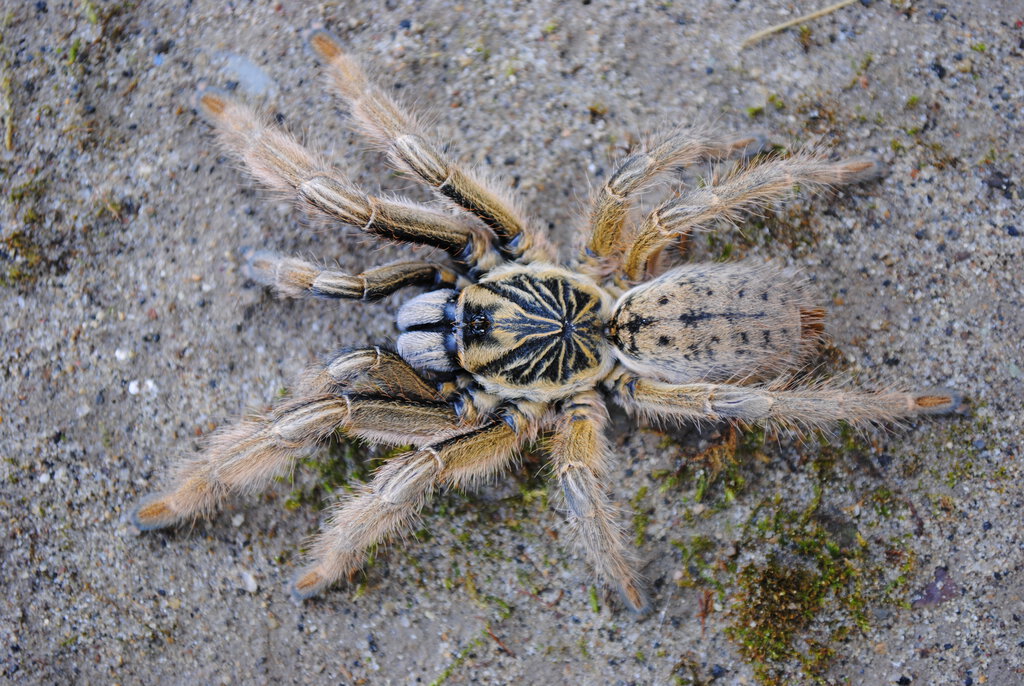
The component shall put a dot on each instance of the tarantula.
(507, 344)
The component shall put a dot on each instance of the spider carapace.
(535, 331)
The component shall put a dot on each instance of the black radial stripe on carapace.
(538, 360)
(553, 325)
(694, 317)
(560, 298)
(522, 290)
(550, 300)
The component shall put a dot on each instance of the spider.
(507, 345)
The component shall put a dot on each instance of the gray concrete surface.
(128, 333)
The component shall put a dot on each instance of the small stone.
(133, 387)
(120, 354)
(1000, 181)
(237, 520)
(248, 581)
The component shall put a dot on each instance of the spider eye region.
(477, 323)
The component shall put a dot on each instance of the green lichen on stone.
(697, 563)
(779, 601)
(460, 658)
(641, 515)
(816, 575)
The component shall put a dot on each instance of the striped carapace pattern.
(534, 329)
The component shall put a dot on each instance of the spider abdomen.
(714, 322)
(534, 332)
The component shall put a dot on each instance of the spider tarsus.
(862, 169)
(325, 44)
(635, 599)
(750, 146)
(308, 583)
(938, 401)
(153, 512)
(261, 266)
(211, 102)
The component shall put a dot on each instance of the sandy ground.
(129, 333)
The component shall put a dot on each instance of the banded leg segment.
(748, 189)
(280, 162)
(393, 499)
(579, 453)
(367, 371)
(410, 150)
(292, 277)
(799, 408)
(245, 457)
(680, 148)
